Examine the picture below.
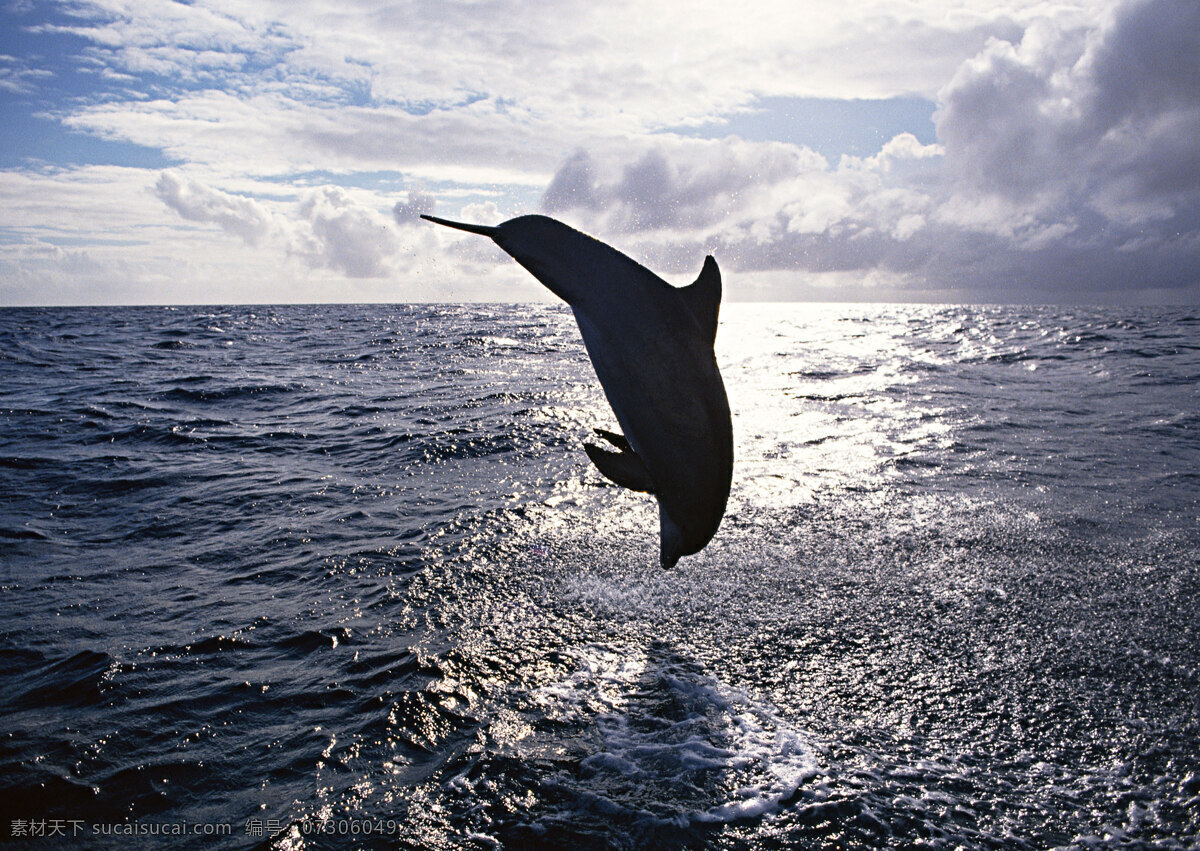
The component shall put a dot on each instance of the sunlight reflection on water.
(355, 562)
(819, 398)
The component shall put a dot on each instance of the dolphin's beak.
(482, 230)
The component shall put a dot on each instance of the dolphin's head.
(554, 253)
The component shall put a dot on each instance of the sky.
(281, 151)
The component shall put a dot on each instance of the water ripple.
(349, 565)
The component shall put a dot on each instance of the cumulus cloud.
(1077, 149)
(674, 183)
(761, 206)
(1067, 167)
(1104, 119)
(327, 229)
(344, 235)
(235, 214)
(409, 212)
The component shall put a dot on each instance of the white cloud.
(344, 235)
(759, 206)
(486, 91)
(409, 212)
(269, 134)
(98, 235)
(195, 202)
(675, 183)
(1059, 175)
(16, 77)
(328, 228)
(1067, 165)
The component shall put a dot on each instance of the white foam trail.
(677, 744)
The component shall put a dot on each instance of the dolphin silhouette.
(652, 347)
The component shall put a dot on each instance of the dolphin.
(652, 348)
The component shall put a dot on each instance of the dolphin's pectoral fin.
(617, 440)
(703, 298)
(624, 468)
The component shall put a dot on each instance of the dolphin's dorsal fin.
(625, 467)
(703, 298)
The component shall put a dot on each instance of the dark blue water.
(327, 577)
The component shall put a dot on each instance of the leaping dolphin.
(652, 347)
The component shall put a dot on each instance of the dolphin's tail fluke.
(482, 230)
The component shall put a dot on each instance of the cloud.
(1066, 163)
(409, 212)
(1078, 150)
(16, 77)
(1103, 119)
(483, 92)
(328, 229)
(344, 235)
(761, 206)
(270, 134)
(1068, 167)
(674, 183)
(102, 235)
(235, 214)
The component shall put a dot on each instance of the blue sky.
(952, 150)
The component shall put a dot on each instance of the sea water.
(342, 576)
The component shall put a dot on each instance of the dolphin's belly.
(669, 399)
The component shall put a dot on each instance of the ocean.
(309, 577)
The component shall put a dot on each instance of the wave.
(294, 564)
